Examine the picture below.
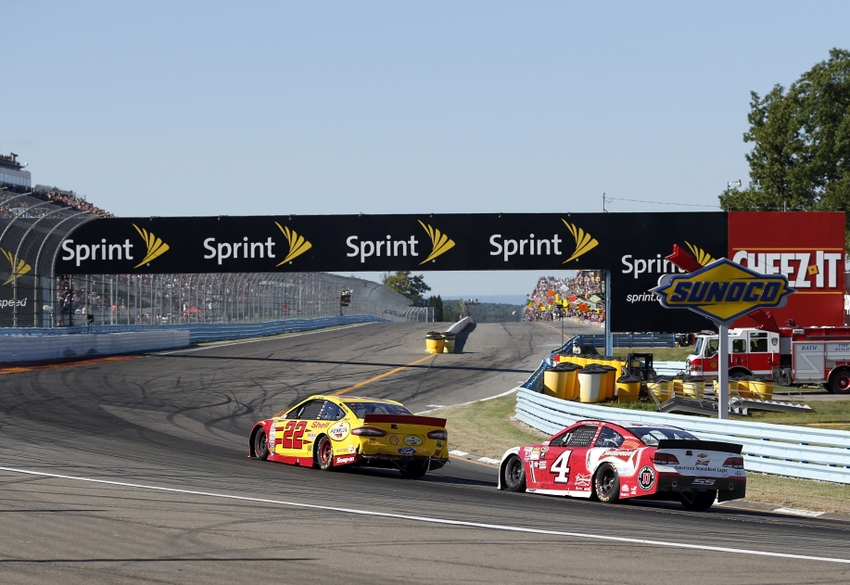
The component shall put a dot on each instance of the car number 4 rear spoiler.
(700, 445)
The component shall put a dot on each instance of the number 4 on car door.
(561, 468)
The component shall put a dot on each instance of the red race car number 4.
(561, 467)
(292, 434)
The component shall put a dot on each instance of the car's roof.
(632, 424)
(347, 398)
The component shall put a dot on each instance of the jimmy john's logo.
(18, 269)
(805, 270)
(722, 291)
(110, 251)
(408, 247)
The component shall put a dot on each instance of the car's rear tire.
(513, 474)
(261, 445)
(324, 453)
(606, 484)
(698, 501)
(414, 469)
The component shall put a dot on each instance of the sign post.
(722, 291)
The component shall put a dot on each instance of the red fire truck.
(792, 356)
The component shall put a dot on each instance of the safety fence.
(31, 344)
(802, 452)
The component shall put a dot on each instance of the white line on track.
(504, 527)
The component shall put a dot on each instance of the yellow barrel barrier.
(677, 387)
(449, 342)
(590, 381)
(610, 388)
(628, 388)
(661, 387)
(742, 386)
(570, 380)
(552, 385)
(693, 386)
(762, 387)
(434, 342)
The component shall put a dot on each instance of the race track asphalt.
(135, 471)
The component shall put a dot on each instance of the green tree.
(437, 303)
(801, 144)
(401, 282)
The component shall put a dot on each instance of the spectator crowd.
(578, 298)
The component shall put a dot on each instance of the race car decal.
(319, 425)
(412, 440)
(339, 431)
(646, 478)
(407, 451)
(393, 439)
(561, 467)
(582, 480)
(345, 460)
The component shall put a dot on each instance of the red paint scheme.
(572, 463)
(808, 247)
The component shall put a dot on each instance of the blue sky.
(264, 108)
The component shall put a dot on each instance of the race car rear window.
(361, 409)
(651, 435)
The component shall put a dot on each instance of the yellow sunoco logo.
(297, 243)
(19, 268)
(584, 241)
(155, 246)
(723, 291)
(440, 242)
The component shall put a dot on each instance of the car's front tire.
(513, 474)
(698, 501)
(606, 484)
(414, 469)
(261, 445)
(324, 453)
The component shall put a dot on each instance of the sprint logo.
(395, 248)
(155, 246)
(703, 257)
(440, 242)
(584, 241)
(297, 243)
(19, 268)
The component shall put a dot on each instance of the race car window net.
(361, 409)
(651, 435)
(608, 437)
(331, 411)
(578, 437)
(309, 411)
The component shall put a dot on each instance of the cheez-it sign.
(806, 248)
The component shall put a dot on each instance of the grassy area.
(488, 428)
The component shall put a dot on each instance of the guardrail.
(801, 452)
(32, 344)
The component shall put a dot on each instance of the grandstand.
(34, 222)
(579, 298)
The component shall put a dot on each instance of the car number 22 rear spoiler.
(405, 419)
(700, 445)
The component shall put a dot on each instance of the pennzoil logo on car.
(339, 431)
(723, 291)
